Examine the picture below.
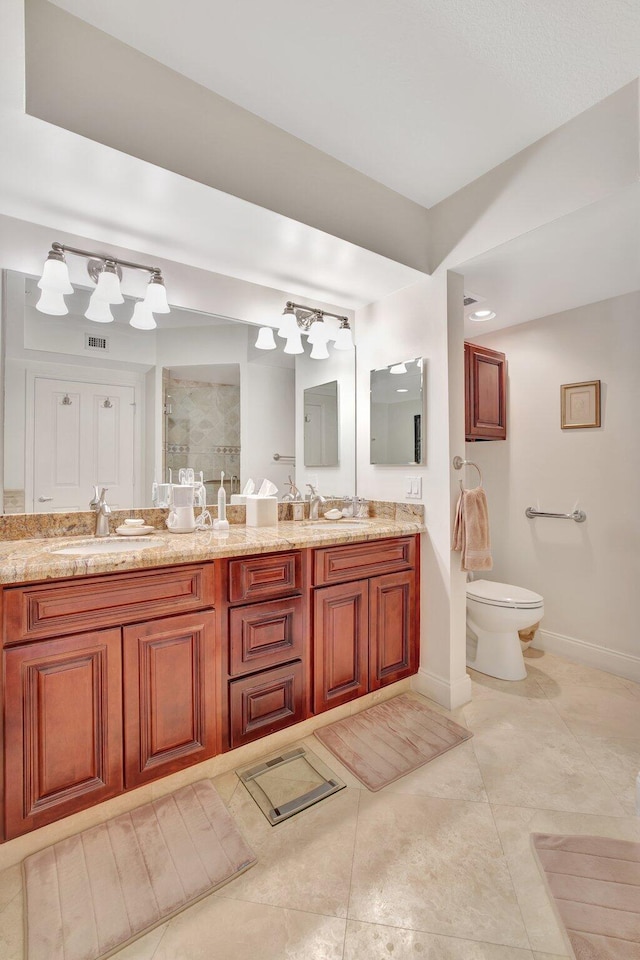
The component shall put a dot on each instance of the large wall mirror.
(397, 413)
(89, 403)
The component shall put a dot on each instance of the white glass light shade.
(52, 302)
(294, 343)
(108, 287)
(98, 311)
(265, 339)
(288, 326)
(481, 315)
(318, 332)
(319, 351)
(156, 297)
(142, 318)
(55, 277)
(344, 340)
(398, 368)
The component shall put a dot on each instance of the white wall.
(420, 321)
(588, 573)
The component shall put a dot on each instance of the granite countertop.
(29, 560)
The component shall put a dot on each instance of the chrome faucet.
(102, 509)
(314, 502)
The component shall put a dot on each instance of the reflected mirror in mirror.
(321, 425)
(91, 403)
(397, 413)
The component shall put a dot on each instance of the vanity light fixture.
(298, 319)
(106, 273)
(481, 315)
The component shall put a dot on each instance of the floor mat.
(89, 895)
(594, 883)
(385, 742)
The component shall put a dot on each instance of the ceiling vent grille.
(91, 342)
(471, 298)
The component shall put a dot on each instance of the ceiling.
(421, 95)
(587, 256)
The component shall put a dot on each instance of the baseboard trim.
(591, 654)
(447, 693)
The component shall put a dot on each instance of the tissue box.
(262, 511)
(237, 500)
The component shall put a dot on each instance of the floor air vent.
(91, 342)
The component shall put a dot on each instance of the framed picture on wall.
(580, 405)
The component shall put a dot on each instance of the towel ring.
(459, 463)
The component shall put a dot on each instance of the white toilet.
(495, 613)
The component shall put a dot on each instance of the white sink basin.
(88, 548)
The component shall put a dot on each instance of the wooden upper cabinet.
(485, 393)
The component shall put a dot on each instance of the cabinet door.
(341, 644)
(170, 695)
(63, 708)
(265, 702)
(486, 400)
(393, 622)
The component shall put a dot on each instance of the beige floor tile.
(234, 930)
(11, 929)
(515, 825)
(144, 948)
(618, 763)
(433, 865)
(483, 687)
(595, 712)
(633, 687)
(554, 672)
(226, 785)
(550, 956)
(303, 863)
(370, 941)
(10, 884)
(528, 757)
(455, 775)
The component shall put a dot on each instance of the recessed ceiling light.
(402, 390)
(480, 315)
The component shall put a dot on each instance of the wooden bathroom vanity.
(115, 679)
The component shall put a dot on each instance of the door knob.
(44, 499)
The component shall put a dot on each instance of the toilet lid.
(503, 594)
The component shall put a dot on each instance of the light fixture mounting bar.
(107, 257)
(290, 305)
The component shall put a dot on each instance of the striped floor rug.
(385, 742)
(91, 894)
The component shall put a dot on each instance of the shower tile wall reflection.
(202, 429)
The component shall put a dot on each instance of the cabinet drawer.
(54, 609)
(356, 561)
(266, 702)
(264, 634)
(263, 578)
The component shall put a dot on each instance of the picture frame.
(580, 405)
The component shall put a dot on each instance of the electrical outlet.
(413, 488)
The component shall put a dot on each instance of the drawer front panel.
(53, 609)
(265, 702)
(356, 561)
(264, 578)
(264, 634)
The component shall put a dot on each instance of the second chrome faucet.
(102, 509)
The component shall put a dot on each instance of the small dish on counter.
(333, 514)
(134, 530)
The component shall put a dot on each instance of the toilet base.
(498, 655)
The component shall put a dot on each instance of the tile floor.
(436, 865)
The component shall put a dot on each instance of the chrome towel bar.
(578, 515)
(459, 463)
(284, 458)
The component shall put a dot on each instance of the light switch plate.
(413, 488)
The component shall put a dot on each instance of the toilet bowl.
(495, 613)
